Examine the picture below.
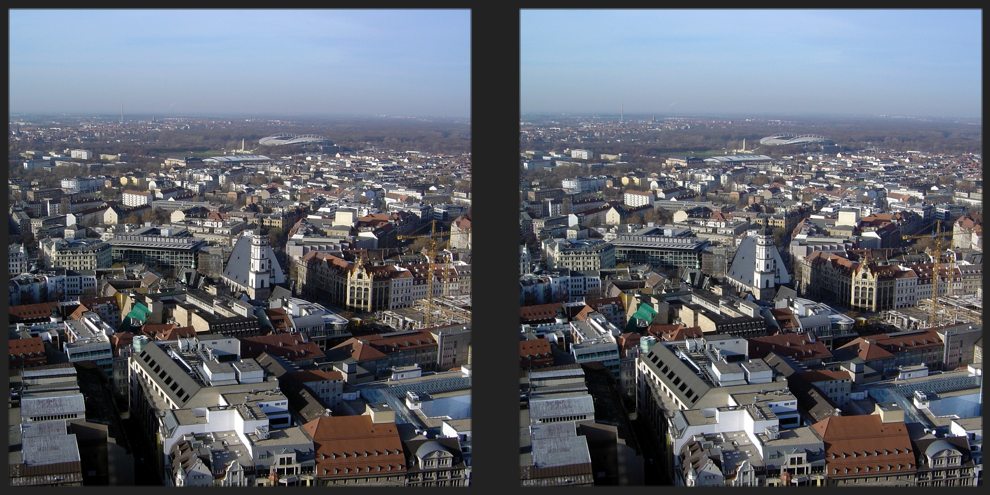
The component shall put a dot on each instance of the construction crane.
(432, 254)
(936, 265)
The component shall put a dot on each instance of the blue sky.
(853, 62)
(285, 62)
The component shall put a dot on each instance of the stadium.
(293, 139)
(790, 139)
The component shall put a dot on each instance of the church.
(252, 267)
(757, 267)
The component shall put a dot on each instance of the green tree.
(779, 236)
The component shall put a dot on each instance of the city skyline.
(754, 62)
(241, 62)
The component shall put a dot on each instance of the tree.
(658, 216)
(925, 244)
(779, 236)
(965, 186)
(148, 215)
(277, 238)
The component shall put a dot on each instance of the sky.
(241, 62)
(761, 62)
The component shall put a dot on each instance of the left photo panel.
(240, 248)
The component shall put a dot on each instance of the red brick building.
(27, 353)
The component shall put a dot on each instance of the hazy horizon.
(838, 63)
(306, 63)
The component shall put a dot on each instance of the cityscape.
(209, 289)
(749, 248)
(740, 268)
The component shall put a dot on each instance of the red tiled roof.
(675, 332)
(539, 312)
(32, 345)
(794, 345)
(360, 351)
(349, 446)
(533, 348)
(387, 343)
(864, 445)
(629, 340)
(286, 345)
(786, 318)
(868, 350)
(166, 331)
(463, 222)
(23, 312)
(120, 340)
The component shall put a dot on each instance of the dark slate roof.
(744, 263)
(240, 262)
(784, 293)
(280, 293)
(154, 356)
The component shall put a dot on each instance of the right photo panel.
(750, 248)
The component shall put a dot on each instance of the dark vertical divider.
(495, 145)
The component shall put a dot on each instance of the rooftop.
(45, 450)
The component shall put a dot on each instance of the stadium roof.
(288, 139)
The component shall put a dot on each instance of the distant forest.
(202, 139)
(851, 135)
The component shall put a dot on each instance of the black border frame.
(495, 153)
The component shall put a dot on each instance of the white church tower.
(260, 272)
(252, 267)
(525, 261)
(765, 269)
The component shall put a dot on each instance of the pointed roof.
(360, 351)
(867, 349)
(744, 264)
(865, 445)
(239, 263)
(349, 446)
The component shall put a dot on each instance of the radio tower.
(622, 113)
(121, 113)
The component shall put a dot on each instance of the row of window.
(55, 417)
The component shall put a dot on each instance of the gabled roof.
(30, 312)
(539, 313)
(868, 350)
(354, 446)
(795, 345)
(239, 263)
(359, 351)
(533, 347)
(744, 264)
(864, 445)
(33, 345)
(288, 345)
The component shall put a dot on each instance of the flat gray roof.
(561, 406)
(560, 451)
(44, 450)
(43, 428)
(49, 406)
